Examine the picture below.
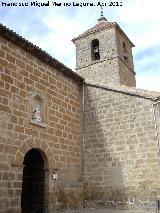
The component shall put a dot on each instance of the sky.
(53, 27)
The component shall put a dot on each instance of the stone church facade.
(71, 140)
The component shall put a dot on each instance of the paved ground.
(107, 211)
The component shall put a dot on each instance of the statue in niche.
(36, 114)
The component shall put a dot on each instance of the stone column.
(5, 177)
(15, 189)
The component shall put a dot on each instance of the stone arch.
(50, 166)
(30, 144)
(35, 184)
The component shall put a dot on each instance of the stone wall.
(106, 69)
(121, 166)
(59, 136)
(127, 76)
(126, 68)
(111, 69)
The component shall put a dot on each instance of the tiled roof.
(132, 91)
(102, 24)
(37, 52)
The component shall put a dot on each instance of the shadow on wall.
(121, 167)
(104, 175)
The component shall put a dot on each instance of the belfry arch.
(35, 182)
(95, 54)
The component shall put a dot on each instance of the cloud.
(140, 20)
(149, 81)
(52, 29)
(150, 51)
(148, 63)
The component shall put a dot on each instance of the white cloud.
(149, 81)
(139, 19)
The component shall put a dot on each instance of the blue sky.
(52, 29)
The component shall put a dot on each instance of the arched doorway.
(34, 179)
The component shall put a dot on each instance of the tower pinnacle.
(104, 54)
(102, 18)
(101, 11)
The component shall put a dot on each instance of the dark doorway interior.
(33, 186)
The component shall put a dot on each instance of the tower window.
(125, 54)
(95, 50)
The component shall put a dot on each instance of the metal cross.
(101, 11)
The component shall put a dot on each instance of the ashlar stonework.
(71, 140)
(121, 167)
(57, 137)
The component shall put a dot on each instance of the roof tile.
(102, 24)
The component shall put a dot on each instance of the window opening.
(95, 50)
(125, 54)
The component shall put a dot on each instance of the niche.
(37, 110)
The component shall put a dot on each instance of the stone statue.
(36, 114)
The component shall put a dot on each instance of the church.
(80, 139)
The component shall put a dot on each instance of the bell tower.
(104, 54)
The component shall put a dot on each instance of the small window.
(95, 50)
(125, 54)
